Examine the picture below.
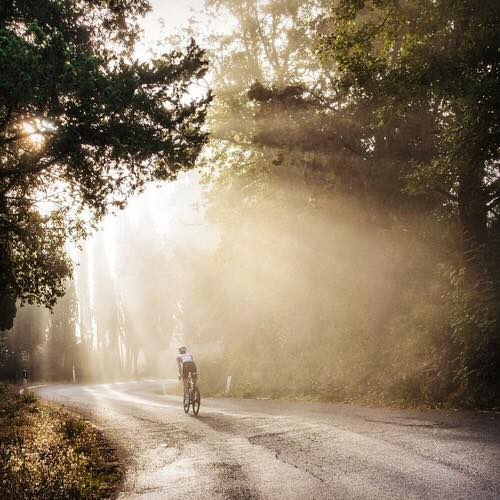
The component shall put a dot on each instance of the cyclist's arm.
(179, 366)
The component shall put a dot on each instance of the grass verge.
(47, 452)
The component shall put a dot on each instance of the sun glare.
(35, 131)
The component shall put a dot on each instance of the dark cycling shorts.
(188, 367)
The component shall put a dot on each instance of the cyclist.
(186, 365)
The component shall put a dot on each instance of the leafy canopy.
(82, 126)
(430, 73)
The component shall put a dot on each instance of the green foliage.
(82, 126)
(438, 63)
(430, 72)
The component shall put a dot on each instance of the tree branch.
(6, 118)
(17, 174)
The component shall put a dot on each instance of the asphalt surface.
(252, 449)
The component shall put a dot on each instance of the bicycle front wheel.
(196, 400)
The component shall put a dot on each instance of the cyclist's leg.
(185, 380)
(195, 394)
(194, 373)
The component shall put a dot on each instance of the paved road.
(250, 449)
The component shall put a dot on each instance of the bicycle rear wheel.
(187, 402)
(196, 400)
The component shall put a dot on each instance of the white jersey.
(185, 358)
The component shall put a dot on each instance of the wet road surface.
(253, 449)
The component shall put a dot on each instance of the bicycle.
(192, 397)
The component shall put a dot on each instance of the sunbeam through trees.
(335, 236)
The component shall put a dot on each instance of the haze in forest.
(317, 248)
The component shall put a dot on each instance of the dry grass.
(46, 452)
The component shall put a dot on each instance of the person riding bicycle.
(186, 366)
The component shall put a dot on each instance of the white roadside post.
(228, 384)
(25, 379)
(74, 375)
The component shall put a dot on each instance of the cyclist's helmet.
(182, 349)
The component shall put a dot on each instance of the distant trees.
(128, 295)
(60, 351)
(82, 126)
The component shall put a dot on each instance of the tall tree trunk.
(8, 294)
(7, 302)
(473, 220)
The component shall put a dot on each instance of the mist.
(315, 250)
(297, 295)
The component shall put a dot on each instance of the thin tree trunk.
(473, 212)
(7, 279)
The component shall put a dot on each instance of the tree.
(61, 339)
(82, 126)
(430, 73)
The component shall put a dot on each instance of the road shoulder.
(49, 452)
